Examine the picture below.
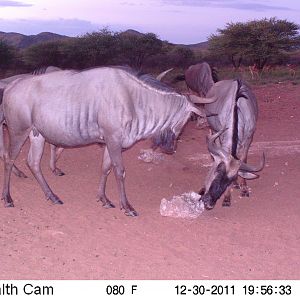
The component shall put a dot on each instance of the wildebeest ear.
(248, 175)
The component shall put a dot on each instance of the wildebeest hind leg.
(243, 185)
(106, 168)
(236, 184)
(15, 170)
(34, 159)
(15, 144)
(244, 188)
(115, 153)
(55, 152)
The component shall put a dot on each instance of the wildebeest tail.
(235, 136)
(1, 106)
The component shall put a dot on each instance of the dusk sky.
(178, 21)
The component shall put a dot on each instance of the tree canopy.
(258, 41)
(7, 55)
(99, 48)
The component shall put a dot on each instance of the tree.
(7, 55)
(43, 54)
(258, 41)
(182, 57)
(136, 49)
(100, 48)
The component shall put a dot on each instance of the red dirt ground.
(256, 238)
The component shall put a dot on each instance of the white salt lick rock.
(187, 205)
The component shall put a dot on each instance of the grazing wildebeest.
(233, 118)
(55, 151)
(110, 105)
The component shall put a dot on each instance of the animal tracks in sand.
(276, 148)
(271, 149)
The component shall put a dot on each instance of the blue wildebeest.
(232, 119)
(110, 105)
(55, 151)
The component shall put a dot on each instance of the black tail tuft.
(1, 95)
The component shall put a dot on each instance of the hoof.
(226, 203)
(105, 202)
(55, 200)
(8, 204)
(236, 186)
(58, 172)
(131, 213)
(20, 174)
(245, 194)
(108, 205)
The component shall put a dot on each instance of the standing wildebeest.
(233, 118)
(110, 105)
(55, 152)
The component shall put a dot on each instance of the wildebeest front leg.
(106, 168)
(54, 155)
(15, 144)
(115, 153)
(227, 197)
(33, 160)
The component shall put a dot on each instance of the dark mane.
(214, 74)
(148, 79)
(241, 92)
(142, 77)
(39, 71)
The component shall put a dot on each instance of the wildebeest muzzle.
(166, 140)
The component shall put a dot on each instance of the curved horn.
(198, 111)
(163, 74)
(247, 168)
(200, 100)
(213, 148)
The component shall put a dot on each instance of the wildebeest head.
(166, 140)
(224, 171)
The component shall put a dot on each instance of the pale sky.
(177, 21)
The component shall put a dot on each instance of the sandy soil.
(256, 238)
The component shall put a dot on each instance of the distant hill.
(131, 32)
(198, 46)
(201, 46)
(22, 41)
